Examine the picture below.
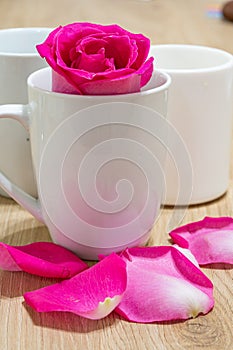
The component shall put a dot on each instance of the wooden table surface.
(164, 21)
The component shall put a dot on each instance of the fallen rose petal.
(163, 285)
(210, 240)
(187, 253)
(41, 258)
(93, 293)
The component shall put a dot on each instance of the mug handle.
(21, 114)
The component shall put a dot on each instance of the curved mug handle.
(21, 114)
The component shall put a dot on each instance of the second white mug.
(18, 59)
(200, 108)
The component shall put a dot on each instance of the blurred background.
(164, 21)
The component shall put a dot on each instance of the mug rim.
(214, 68)
(3, 53)
(164, 86)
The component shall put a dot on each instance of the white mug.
(200, 108)
(18, 59)
(98, 163)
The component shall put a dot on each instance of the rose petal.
(91, 45)
(163, 285)
(124, 85)
(120, 48)
(93, 293)
(41, 258)
(143, 45)
(68, 38)
(187, 253)
(146, 71)
(60, 84)
(210, 240)
(93, 63)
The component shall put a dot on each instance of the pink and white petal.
(77, 77)
(61, 85)
(41, 258)
(151, 298)
(210, 240)
(124, 85)
(119, 85)
(163, 285)
(187, 253)
(93, 293)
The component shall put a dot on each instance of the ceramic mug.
(200, 108)
(98, 163)
(18, 59)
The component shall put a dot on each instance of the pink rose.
(94, 59)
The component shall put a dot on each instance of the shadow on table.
(218, 266)
(16, 284)
(69, 322)
(33, 231)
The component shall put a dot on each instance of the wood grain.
(180, 21)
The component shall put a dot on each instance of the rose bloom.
(93, 59)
